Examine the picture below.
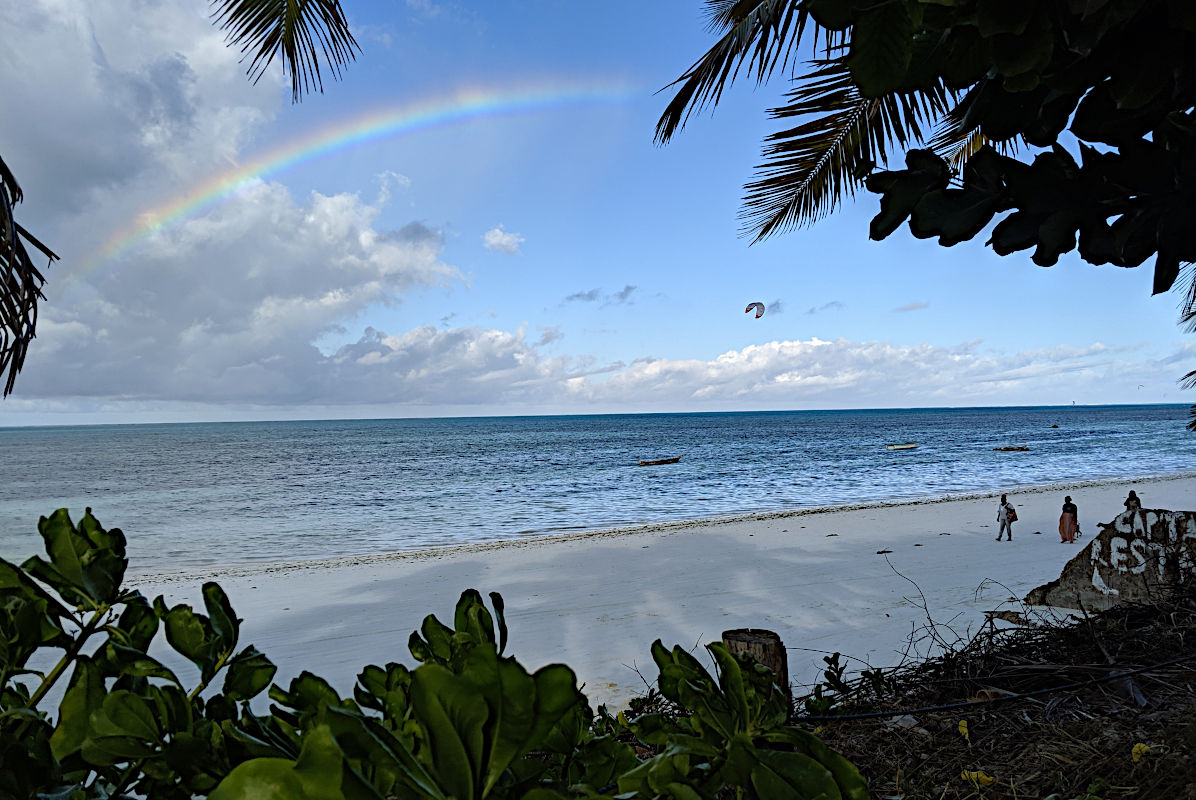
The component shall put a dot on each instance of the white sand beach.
(597, 601)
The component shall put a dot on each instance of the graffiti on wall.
(1133, 559)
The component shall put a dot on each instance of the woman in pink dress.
(1069, 521)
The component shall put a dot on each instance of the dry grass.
(1077, 743)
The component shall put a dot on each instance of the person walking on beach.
(1006, 515)
(1132, 503)
(1069, 521)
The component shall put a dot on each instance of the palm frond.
(1187, 320)
(764, 31)
(957, 151)
(1187, 308)
(810, 168)
(1189, 382)
(20, 282)
(297, 31)
(955, 142)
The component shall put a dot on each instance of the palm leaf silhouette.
(298, 31)
(762, 33)
(811, 167)
(20, 282)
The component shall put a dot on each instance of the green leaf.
(86, 566)
(84, 694)
(781, 775)
(730, 680)
(453, 714)
(124, 713)
(954, 215)
(116, 659)
(14, 580)
(438, 637)
(834, 15)
(137, 625)
(318, 774)
(500, 616)
(419, 649)
(249, 673)
(966, 57)
(191, 635)
(365, 739)
(225, 624)
(851, 783)
(881, 47)
(1004, 16)
(901, 190)
(111, 750)
(307, 694)
(556, 695)
(1023, 53)
(387, 690)
(173, 710)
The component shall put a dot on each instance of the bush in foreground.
(469, 722)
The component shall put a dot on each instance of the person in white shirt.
(1006, 516)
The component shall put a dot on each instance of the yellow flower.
(1139, 751)
(963, 730)
(977, 777)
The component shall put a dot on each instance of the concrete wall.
(1132, 559)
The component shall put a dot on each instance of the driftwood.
(1012, 449)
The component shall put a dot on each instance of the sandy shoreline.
(597, 599)
(258, 567)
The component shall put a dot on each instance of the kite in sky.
(759, 309)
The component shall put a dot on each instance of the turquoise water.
(214, 494)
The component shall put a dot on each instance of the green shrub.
(469, 722)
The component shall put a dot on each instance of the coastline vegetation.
(468, 722)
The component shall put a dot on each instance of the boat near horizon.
(659, 461)
(905, 446)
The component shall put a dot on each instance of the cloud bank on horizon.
(286, 298)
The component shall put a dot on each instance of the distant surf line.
(460, 106)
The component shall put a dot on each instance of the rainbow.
(460, 106)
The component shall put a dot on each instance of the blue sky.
(362, 284)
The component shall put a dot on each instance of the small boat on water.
(1012, 449)
(906, 446)
(659, 461)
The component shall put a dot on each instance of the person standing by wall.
(1069, 521)
(1006, 515)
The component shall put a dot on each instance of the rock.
(1132, 557)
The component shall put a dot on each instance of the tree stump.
(764, 646)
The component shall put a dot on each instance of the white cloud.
(502, 241)
(267, 360)
(228, 306)
(387, 181)
(120, 102)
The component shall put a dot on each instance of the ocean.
(196, 496)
